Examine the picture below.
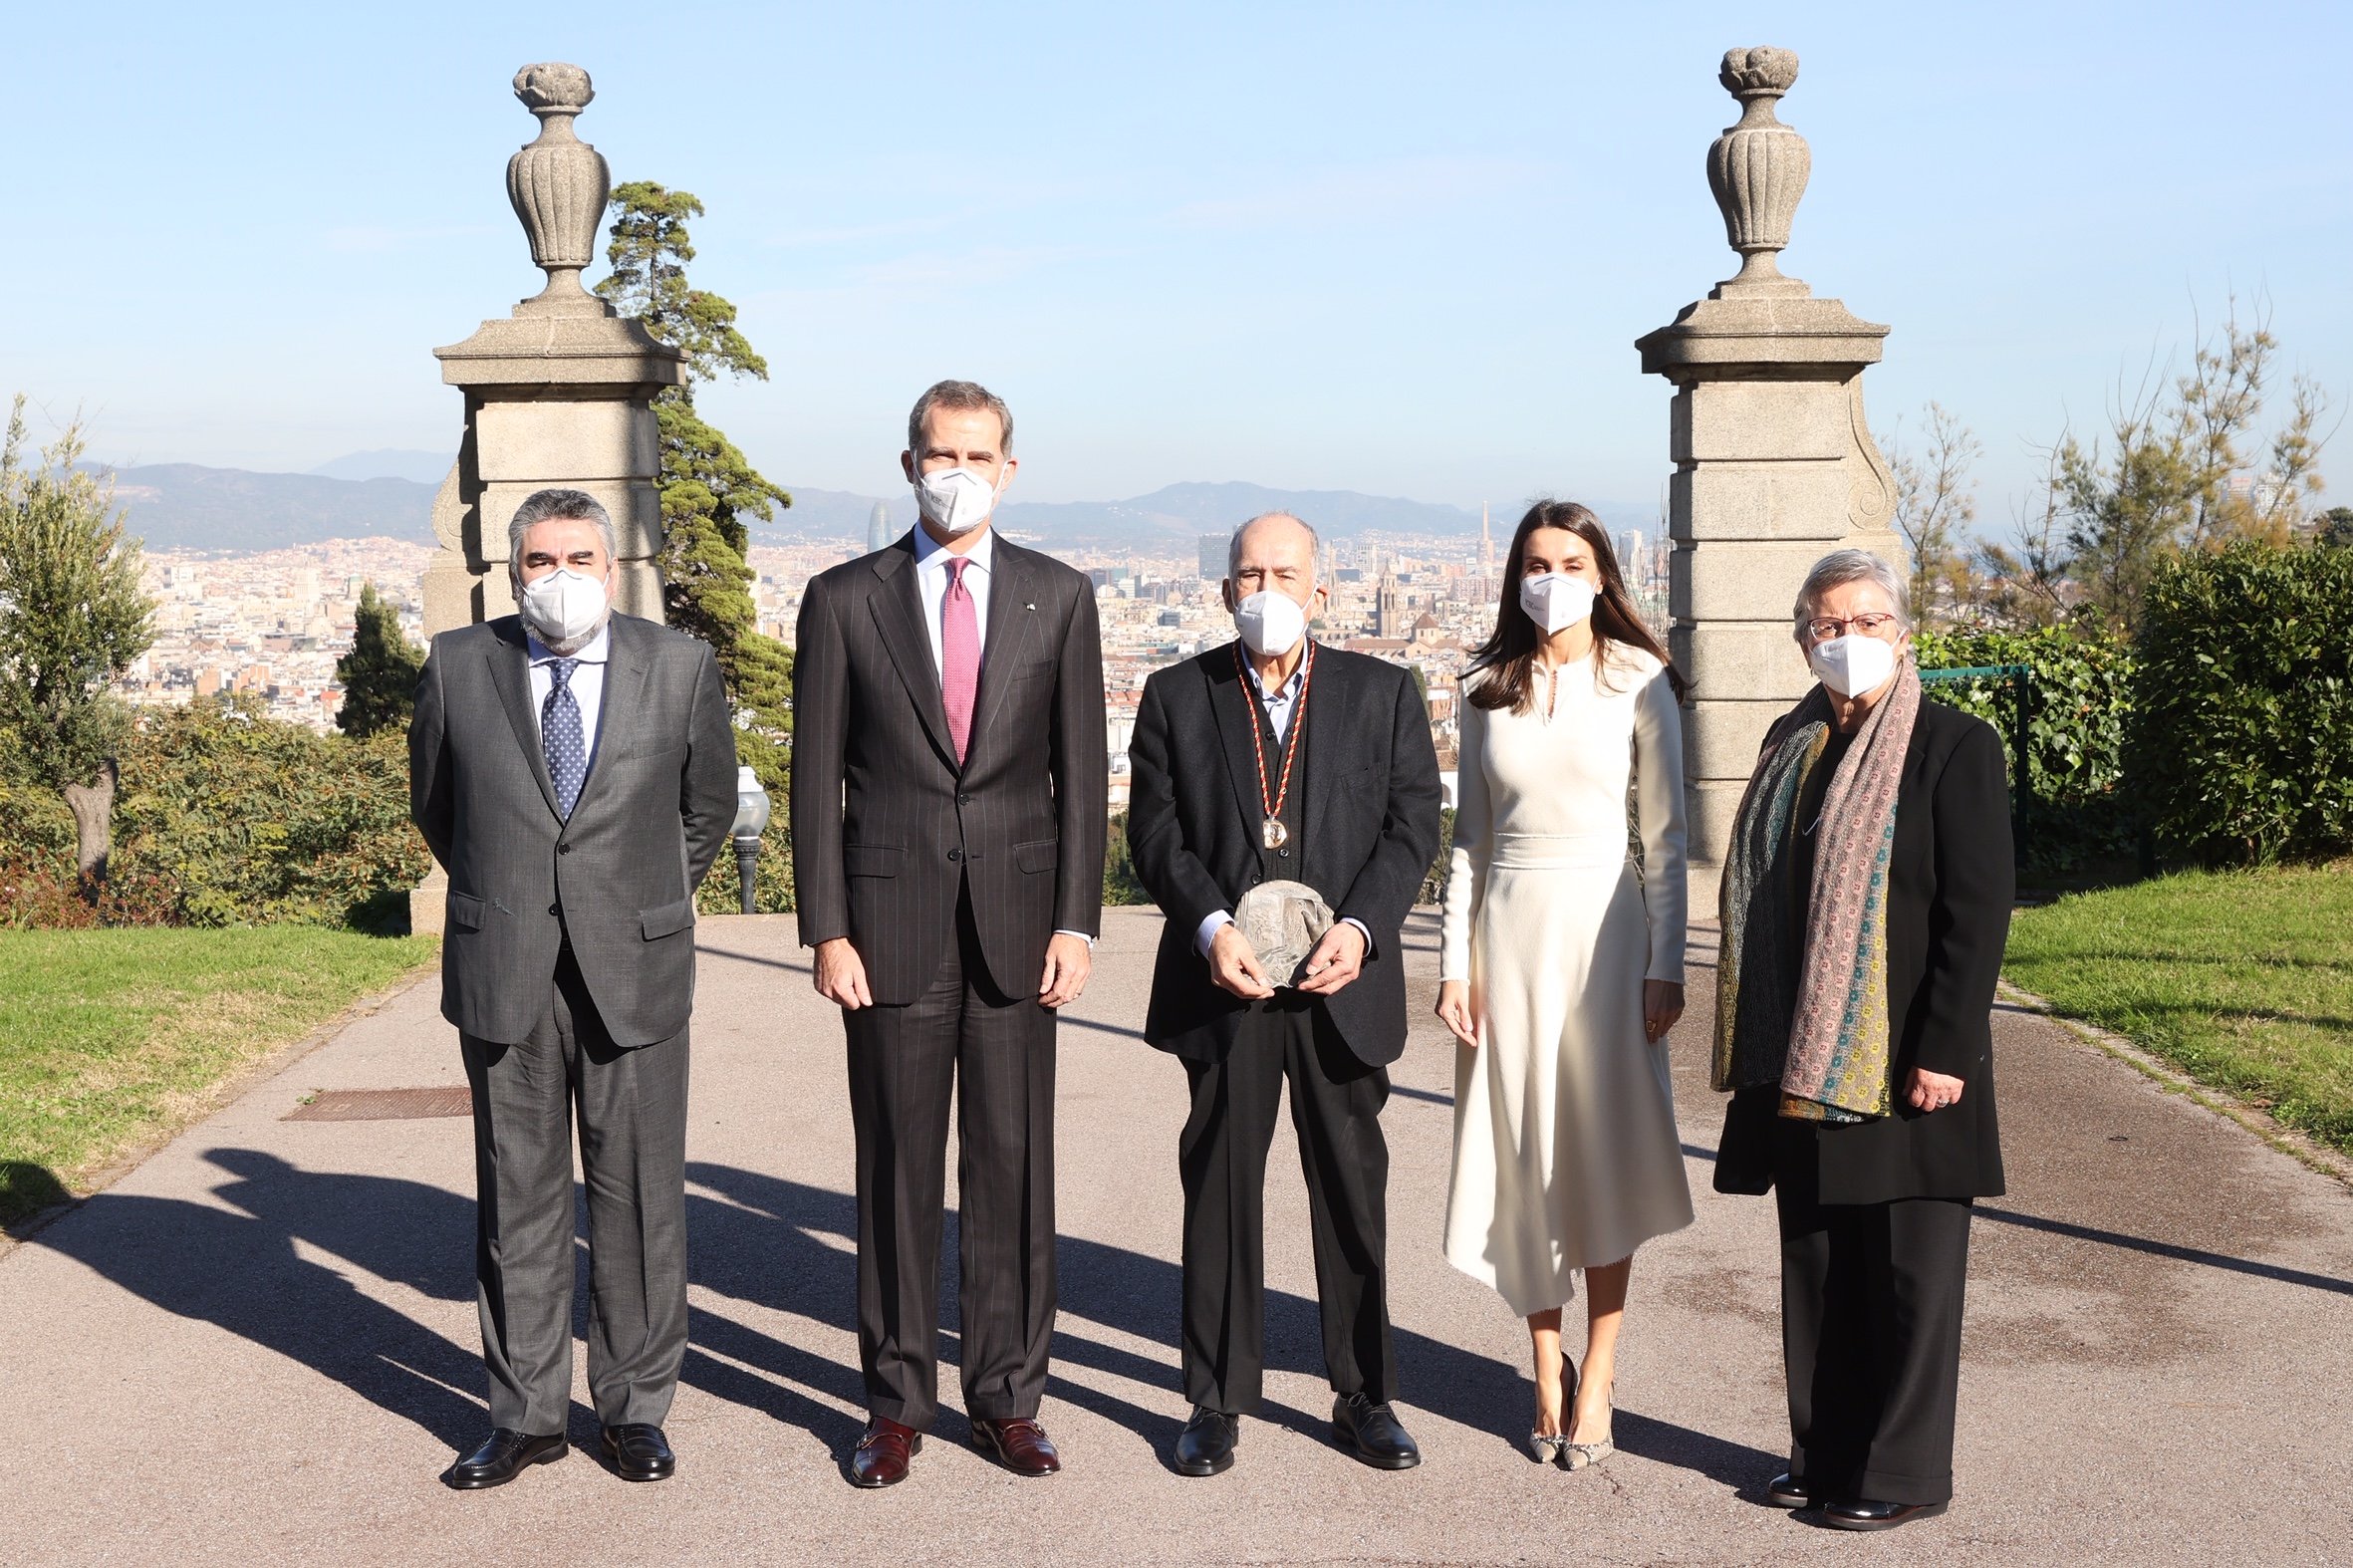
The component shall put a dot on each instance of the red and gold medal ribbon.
(1272, 807)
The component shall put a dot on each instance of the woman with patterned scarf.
(1866, 899)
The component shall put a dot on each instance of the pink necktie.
(960, 655)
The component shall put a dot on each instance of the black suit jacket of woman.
(1370, 790)
(1950, 889)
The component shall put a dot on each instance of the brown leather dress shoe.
(1020, 1445)
(883, 1453)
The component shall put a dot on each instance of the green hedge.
(2242, 739)
(2076, 742)
(226, 817)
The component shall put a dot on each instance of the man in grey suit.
(573, 770)
(949, 812)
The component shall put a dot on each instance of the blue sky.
(1399, 250)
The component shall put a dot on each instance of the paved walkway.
(260, 1345)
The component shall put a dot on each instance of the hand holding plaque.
(1283, 921)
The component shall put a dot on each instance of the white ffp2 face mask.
(957, 501)
(1270, 624)
(564, 608)
(1554, 599)
(1853, 664)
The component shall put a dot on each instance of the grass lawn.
(2244, 979)
(111, 1037)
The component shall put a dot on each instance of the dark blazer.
(1370, 787)
(887, 828)
(1950, 889)
(653, 816)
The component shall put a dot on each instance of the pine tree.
(710, 489)
(380, 673)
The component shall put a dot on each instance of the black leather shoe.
(640, 1453)
(1853, 1513)
(1787, 1491)
(1205, 1445)
(506, 1456)
(1371, 1433)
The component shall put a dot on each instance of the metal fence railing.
(2020, 681)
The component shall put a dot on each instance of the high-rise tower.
(877, 526)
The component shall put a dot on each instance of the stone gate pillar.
(558, 393)
(1774, 465)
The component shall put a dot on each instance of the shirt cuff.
(1209, 930)
(1362, 930)
(1081, 935)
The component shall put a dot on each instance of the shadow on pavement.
(756, 1238)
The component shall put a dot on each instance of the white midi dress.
(1566, 1154)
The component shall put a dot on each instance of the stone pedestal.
(1774, 465)
(558, 393)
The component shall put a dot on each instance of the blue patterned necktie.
(560, 737)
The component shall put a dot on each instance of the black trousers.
(996, 1055)
(1336, 1102)
(631, 1106)
(1871, 1301)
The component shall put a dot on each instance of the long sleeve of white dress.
(1659, 815)
(1468, 858)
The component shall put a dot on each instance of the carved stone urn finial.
(559, 184)
(1757, 169)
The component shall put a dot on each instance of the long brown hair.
(1512, 653)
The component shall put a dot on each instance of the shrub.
(228, 817)
(2076, 732)
(2242, 726)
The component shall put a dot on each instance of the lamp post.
(752, 820)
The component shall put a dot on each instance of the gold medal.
(1272, 833)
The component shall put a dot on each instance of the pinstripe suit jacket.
(887, 828)
(656, 806)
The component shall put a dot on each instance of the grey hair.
(540, 505)
(963, 396)
(1839, 568)
(1233, 546)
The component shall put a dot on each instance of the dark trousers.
(1336, 1102)
(1871, 1299)
(631, 1106)
(995, 1054)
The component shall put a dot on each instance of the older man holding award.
(1284, 809)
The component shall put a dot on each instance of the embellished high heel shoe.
(1580, 1455)
(1553, 1449)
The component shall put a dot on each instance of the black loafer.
(1787, 1491)
(1205, 1445)
(1854, 1513)
(640, 1453)
(503, 1458)
(1370, 1431)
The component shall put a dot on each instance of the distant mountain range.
(184, 506)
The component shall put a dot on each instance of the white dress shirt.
(1279, 705)
(587, 685)
(932, 558)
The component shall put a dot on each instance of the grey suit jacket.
(619, 878)
(888, 828)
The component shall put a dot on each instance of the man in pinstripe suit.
(949, 776)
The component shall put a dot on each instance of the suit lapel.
(1328, 694)
(1235, 706)
(510, 672)
(621, 715)
(1012, 595)
(898, 612)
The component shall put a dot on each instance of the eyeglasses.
(1870, 624)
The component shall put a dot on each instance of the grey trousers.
(632, 1110)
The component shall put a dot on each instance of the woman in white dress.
(1562, 967)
